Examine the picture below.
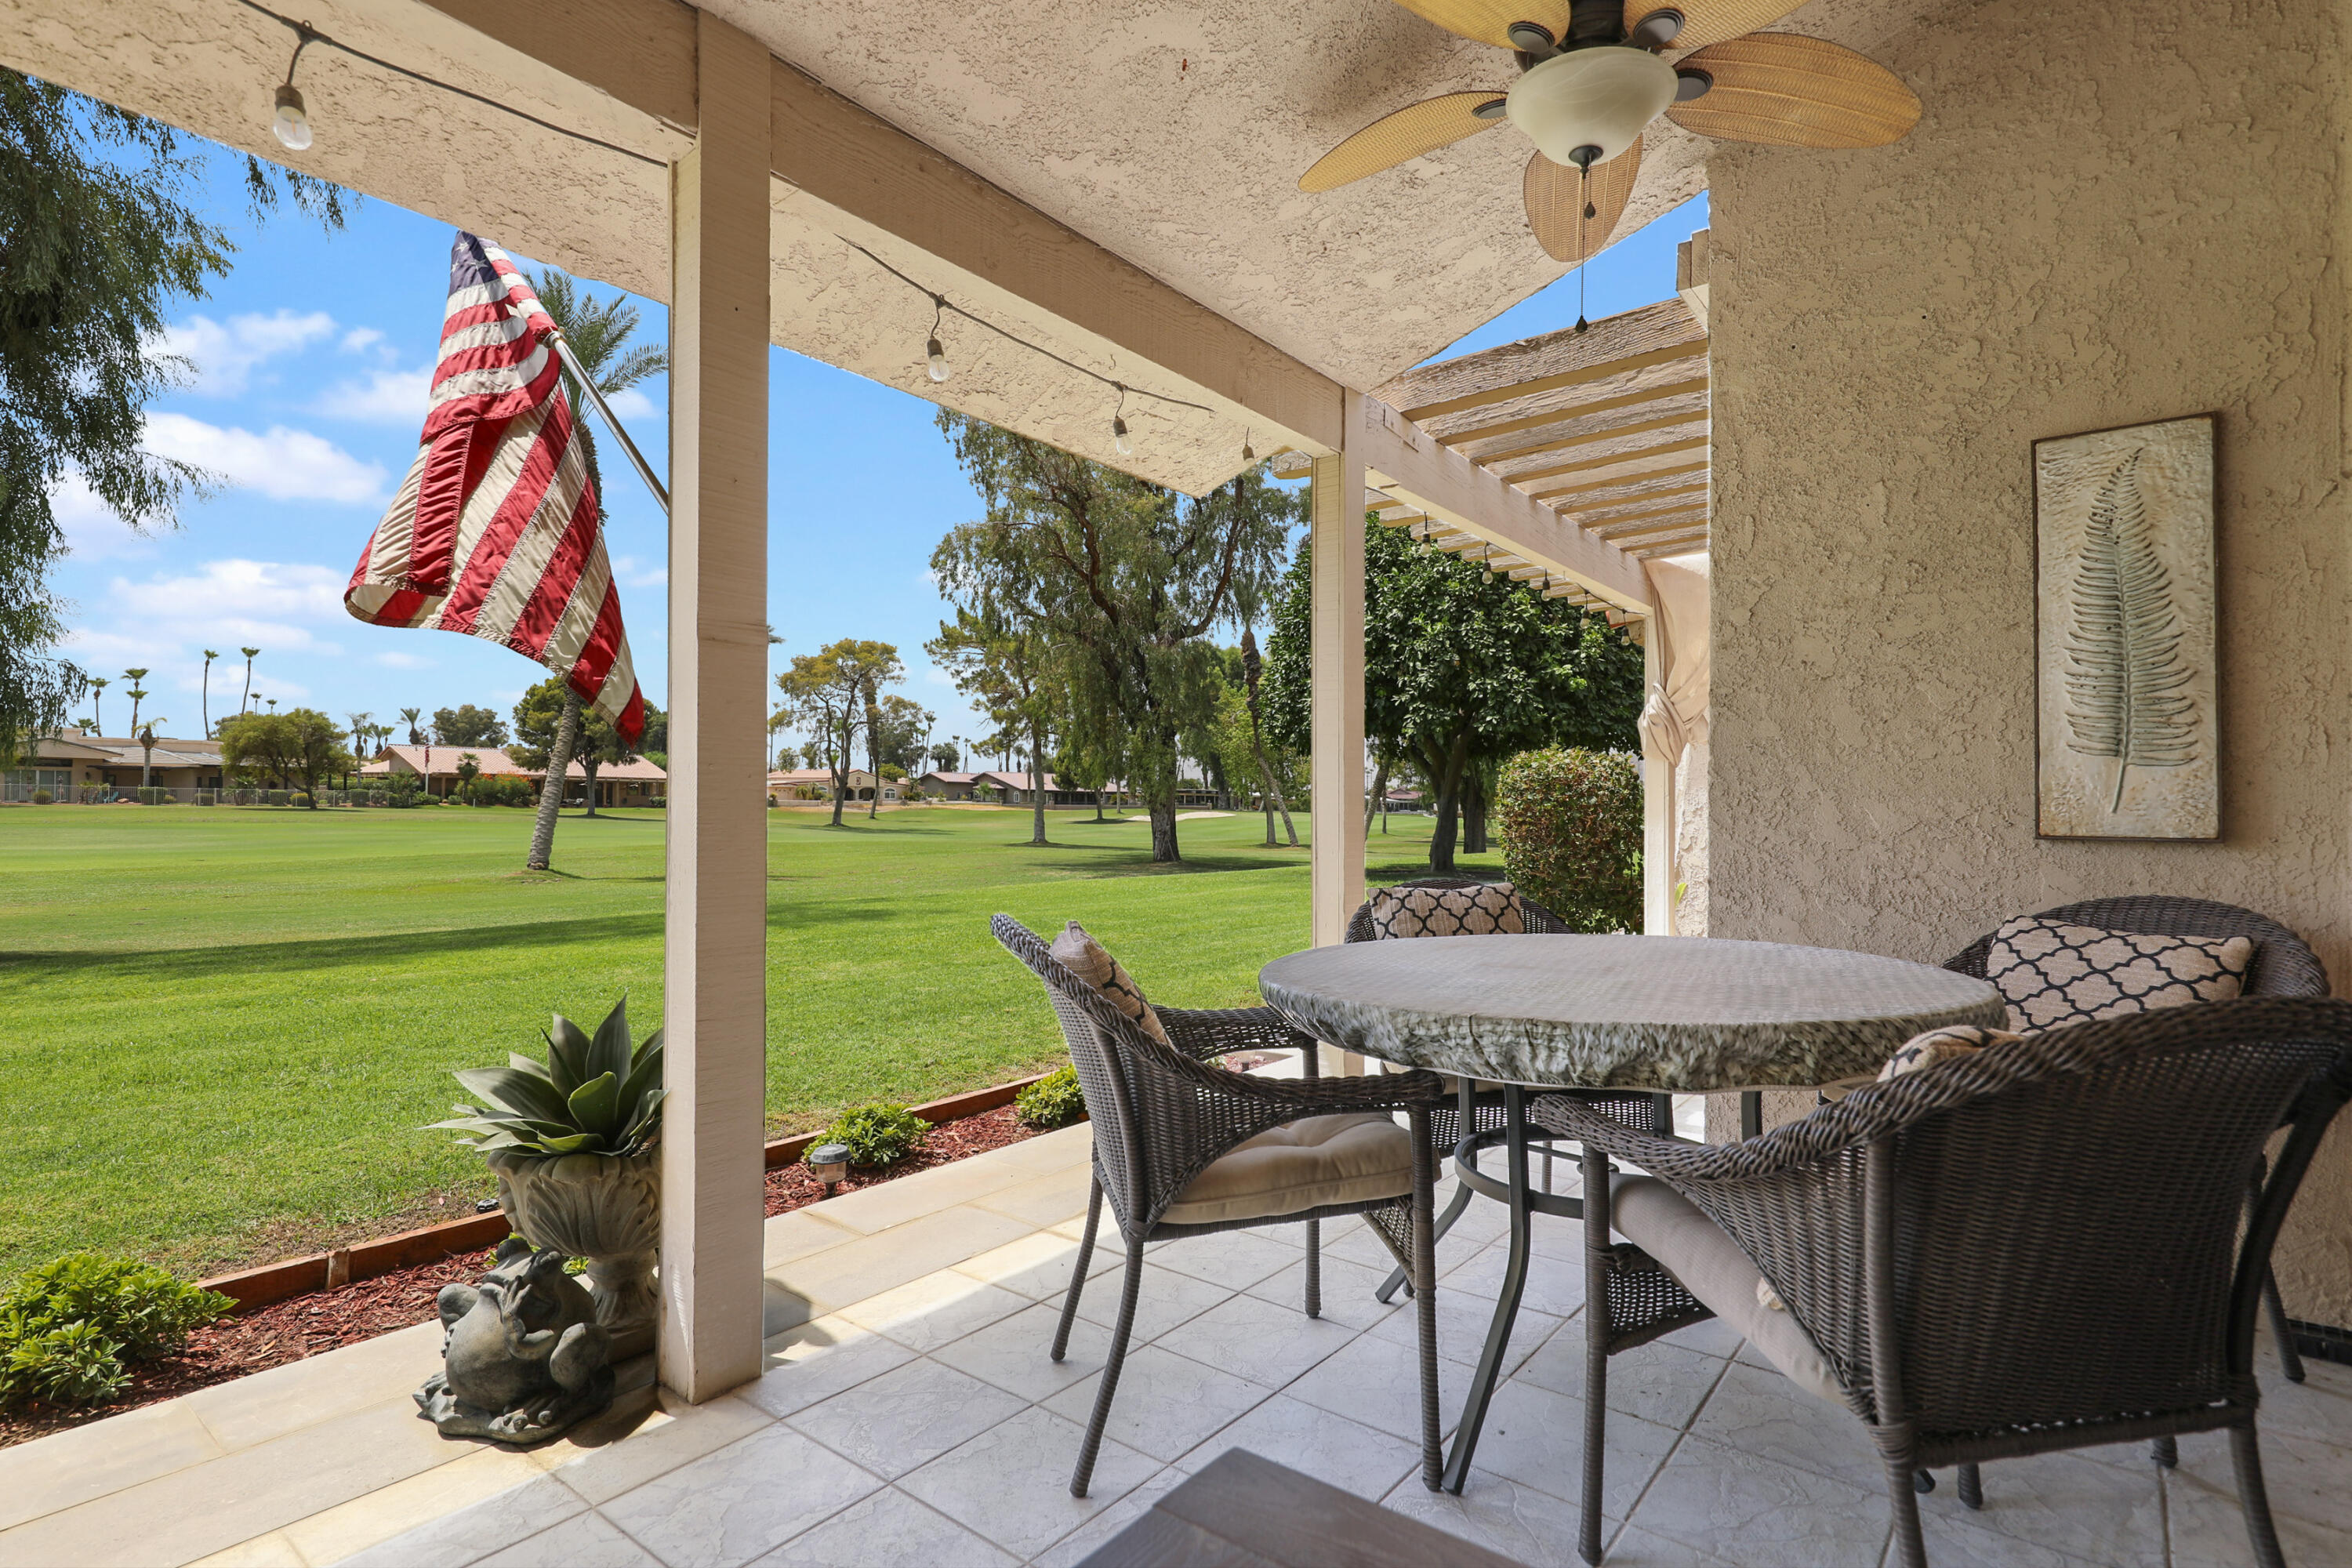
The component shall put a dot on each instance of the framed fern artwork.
(2128, 743)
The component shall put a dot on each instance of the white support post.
(1657, 803)
(1338, 692)
(715, 962)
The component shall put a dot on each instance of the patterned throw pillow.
(1482, 910)
(2052, 974)
(1085, 957)
(1941, 1045)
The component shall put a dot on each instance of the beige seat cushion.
(1489, 909)
(1087, 959)
(1701, 1255)
(1300, 1165)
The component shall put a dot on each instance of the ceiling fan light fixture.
(1600, 96)
(1531, 36)
(1690, 82)
(1656, 30)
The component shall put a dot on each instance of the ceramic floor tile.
(1554, 1286)
(585, 1541)
(1656, 1382)
(926, 1313)
(1634, 1548)
(1377, 1382)
(2206, 1528)
(1234, 1258)
(907, 1416)
(1347, 1291)
(514, 1487)
(2305, 1479)
(271, 1551)
(1081, 1543)
(887, 1204)
(105, 1457)
(1762, 1513)
(1037, 1264)
(1053, 1150)
(2318, 1407)
(1762, 1413)
(1265, 1342)
(1164, 1300)
(1012, 1485)
(1463, 1320)
(254, 1409)
(818, 1361)
(1016, 1353)
(787, 1236)
(1043, 1199)
(1332, 1448)
(729, 1507)
(676, 1437)
(1518, 1522)
(1712, 1336)
(1165, 1403)
(839, 1275)
(888, 1527)
(2069, 1504)
(1536, 1437)
(461, 1537)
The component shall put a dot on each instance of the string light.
(1249, 453)
(1119, 425)
(935, 364)
(292, 122)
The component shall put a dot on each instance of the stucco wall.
(2108, 215)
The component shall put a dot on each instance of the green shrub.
(1054, 1101)
(1572, 827)
(876, 1134)
(66, 1327)
(43, 797)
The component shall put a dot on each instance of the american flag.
(495, 532)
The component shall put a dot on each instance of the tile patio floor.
(911, 1417)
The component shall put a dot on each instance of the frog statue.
(523, 1357)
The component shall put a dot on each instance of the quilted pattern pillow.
(2052, 974)
(1085, 957)
(1940, 1046)
(1482, 910)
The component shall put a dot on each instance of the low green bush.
(43, 797)
(67, 1327)
(1054, 1101)
(1572, 827)
(876, 1134)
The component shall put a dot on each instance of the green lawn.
(221, 1027)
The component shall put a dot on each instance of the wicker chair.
(2031, 1249)
(1483, 1113)
(1162, 1116)
(2283, 967)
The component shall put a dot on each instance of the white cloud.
(391, 659)
(632, 573)
(360, 338)
(386, 397)
(222, 592)
(630, 403)
(227, 353)
(282, 463)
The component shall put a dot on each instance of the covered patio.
(2102, 217)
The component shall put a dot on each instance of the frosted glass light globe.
(292, 123)
(1597, 97)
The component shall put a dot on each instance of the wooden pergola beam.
(1465, 435)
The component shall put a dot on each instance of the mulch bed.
(305, 1326)
(791, 1186)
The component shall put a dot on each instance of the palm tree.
(147, 745)
(271, 700)
(135, 676)
(207, 699)
(362, 726)
(98, 684)
(412, 717)
(598, 333)
(246, 701)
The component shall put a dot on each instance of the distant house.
(817, 783)
(635, 783)
(61, 763)
(73, 761)
(1021, 789)
(948, 786)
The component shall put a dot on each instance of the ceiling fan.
(1592, 76)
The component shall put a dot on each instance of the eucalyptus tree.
(1009, 673)
(98, 242)
(1462, 668)
(825, 694)
(1123, 581)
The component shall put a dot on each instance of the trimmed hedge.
(1572, 827)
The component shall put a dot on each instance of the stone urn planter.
(605, 1208)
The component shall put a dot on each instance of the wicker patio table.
(1616, 1014)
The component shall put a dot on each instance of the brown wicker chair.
(1163, 1116)
(1471, 1112)
(2283, 967)
(2113, 1300)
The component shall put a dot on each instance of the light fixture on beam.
(935, 358)
(1118, 439)
(293, 120)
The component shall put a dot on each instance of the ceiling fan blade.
(1389, 140)
(1556, 194)
(1708, 22)
(1488, 21)
(1783, 89)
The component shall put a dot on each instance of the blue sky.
(312, 360)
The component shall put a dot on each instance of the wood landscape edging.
(292, 1277)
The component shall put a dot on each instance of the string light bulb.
(1249, 453)
(935, 362)
(293, 120)
(1118, 439)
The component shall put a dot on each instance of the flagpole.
(588, 384)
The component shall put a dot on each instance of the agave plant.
(594, 1096)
